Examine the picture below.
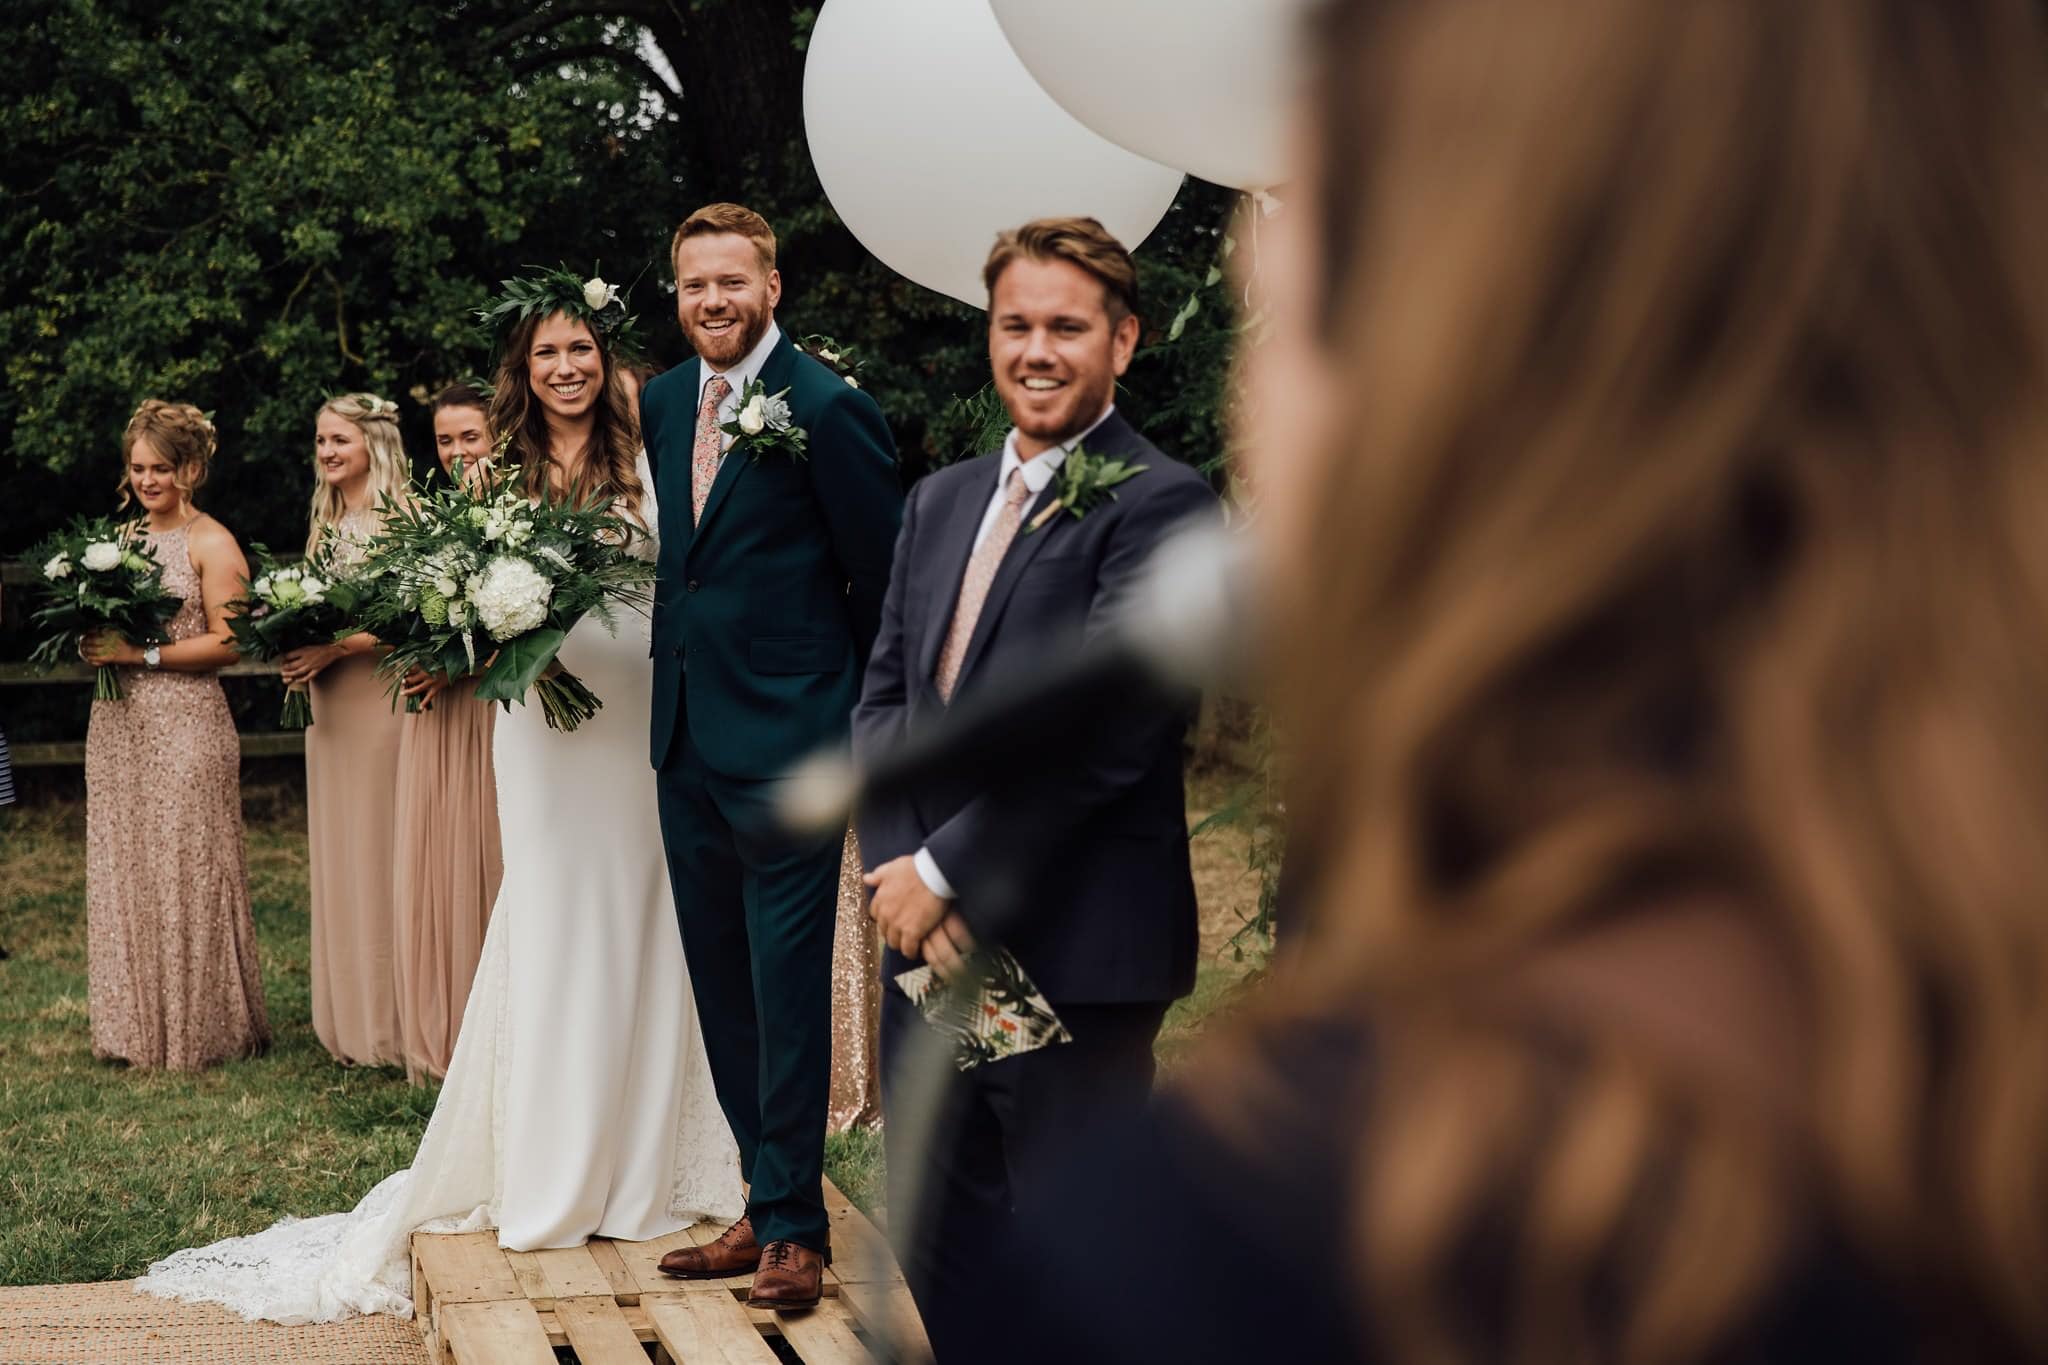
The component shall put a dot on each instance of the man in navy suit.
(1091, 840)
(773, 564)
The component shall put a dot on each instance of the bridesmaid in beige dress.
(172, 979)
(352, 749)
(449, 861)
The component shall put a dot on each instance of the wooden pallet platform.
(479, 1305)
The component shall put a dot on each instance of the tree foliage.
(251, 206)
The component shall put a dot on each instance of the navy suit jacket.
(1094, 835)
(765, 611)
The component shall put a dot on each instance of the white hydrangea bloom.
(512, 597)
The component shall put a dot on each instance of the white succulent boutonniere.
(1086, 481)
(764, 424)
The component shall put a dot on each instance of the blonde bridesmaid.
(448, 861)
(352, 749)
(171, 972)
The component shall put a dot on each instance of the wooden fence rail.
(70, 753)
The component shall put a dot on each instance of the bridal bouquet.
(96, 577)
(288, 606)
(466, 577)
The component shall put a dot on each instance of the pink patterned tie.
(974, 586)
(710, 446)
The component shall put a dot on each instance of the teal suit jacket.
(766, 610)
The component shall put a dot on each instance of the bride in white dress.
(578, 1102)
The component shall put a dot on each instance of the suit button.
(691, 586)
(678, 650)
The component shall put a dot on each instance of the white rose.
(752, 418)
(512, 598)
(852, 383)
(101, 555)
(596, 293)
(60, 567)
(261, 586)
(446, 586)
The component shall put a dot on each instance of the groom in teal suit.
(775, 548)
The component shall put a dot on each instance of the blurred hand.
(948, 947)
(303, 665)
(903, 905)
(424, 685)
(104, 647)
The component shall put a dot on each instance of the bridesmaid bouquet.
(97, 576)
(469, 576)
(288, 606)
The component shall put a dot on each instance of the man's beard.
(742, 339)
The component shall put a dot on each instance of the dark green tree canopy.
(251, 205)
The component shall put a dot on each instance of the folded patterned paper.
(998, 1012)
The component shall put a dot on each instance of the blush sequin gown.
(170, 946)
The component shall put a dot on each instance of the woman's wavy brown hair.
(181, 433)
(1683, 542)
(609, 469)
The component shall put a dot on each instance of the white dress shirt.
(1038, 473)
(739, 376)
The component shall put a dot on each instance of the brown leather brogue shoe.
(734, 1253)
(790, 1276)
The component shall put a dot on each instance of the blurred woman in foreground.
(1653, 449)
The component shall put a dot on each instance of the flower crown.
(379, 407)
(545, 292)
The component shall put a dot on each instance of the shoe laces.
(779, 1255)
(737, 1233)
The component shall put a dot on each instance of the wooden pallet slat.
(502, 1332)
(824, 1336)
(706, 1327)
(597, 1329)
(888, 1314)
(477, 1304)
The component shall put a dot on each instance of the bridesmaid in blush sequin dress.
(171, 960)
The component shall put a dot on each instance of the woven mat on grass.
(101, 1324)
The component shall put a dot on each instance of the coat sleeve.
(853, 472)
(888, 829)
(1048, 806)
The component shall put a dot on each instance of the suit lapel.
(678, 491)
(1014, 562)
(956, 545)
(776, 373)
(1115, 437)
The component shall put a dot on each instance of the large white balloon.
(930, 138)
(1205, 86)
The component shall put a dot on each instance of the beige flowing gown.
(448, 866)
(351, 783)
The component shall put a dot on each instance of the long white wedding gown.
(578, 1102)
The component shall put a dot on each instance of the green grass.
(103, 1169)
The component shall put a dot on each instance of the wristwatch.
(152, 656)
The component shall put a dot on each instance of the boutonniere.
(1086, 480)
(763, 422)
(835, 356)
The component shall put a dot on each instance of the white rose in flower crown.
(753, 417)
(829, 356)
(101, 555)
(60, 567)
(512, 598)
(597, 294)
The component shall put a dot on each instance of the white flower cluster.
(511, 596)
(506, 520)
(764, 412)
(290, 586)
